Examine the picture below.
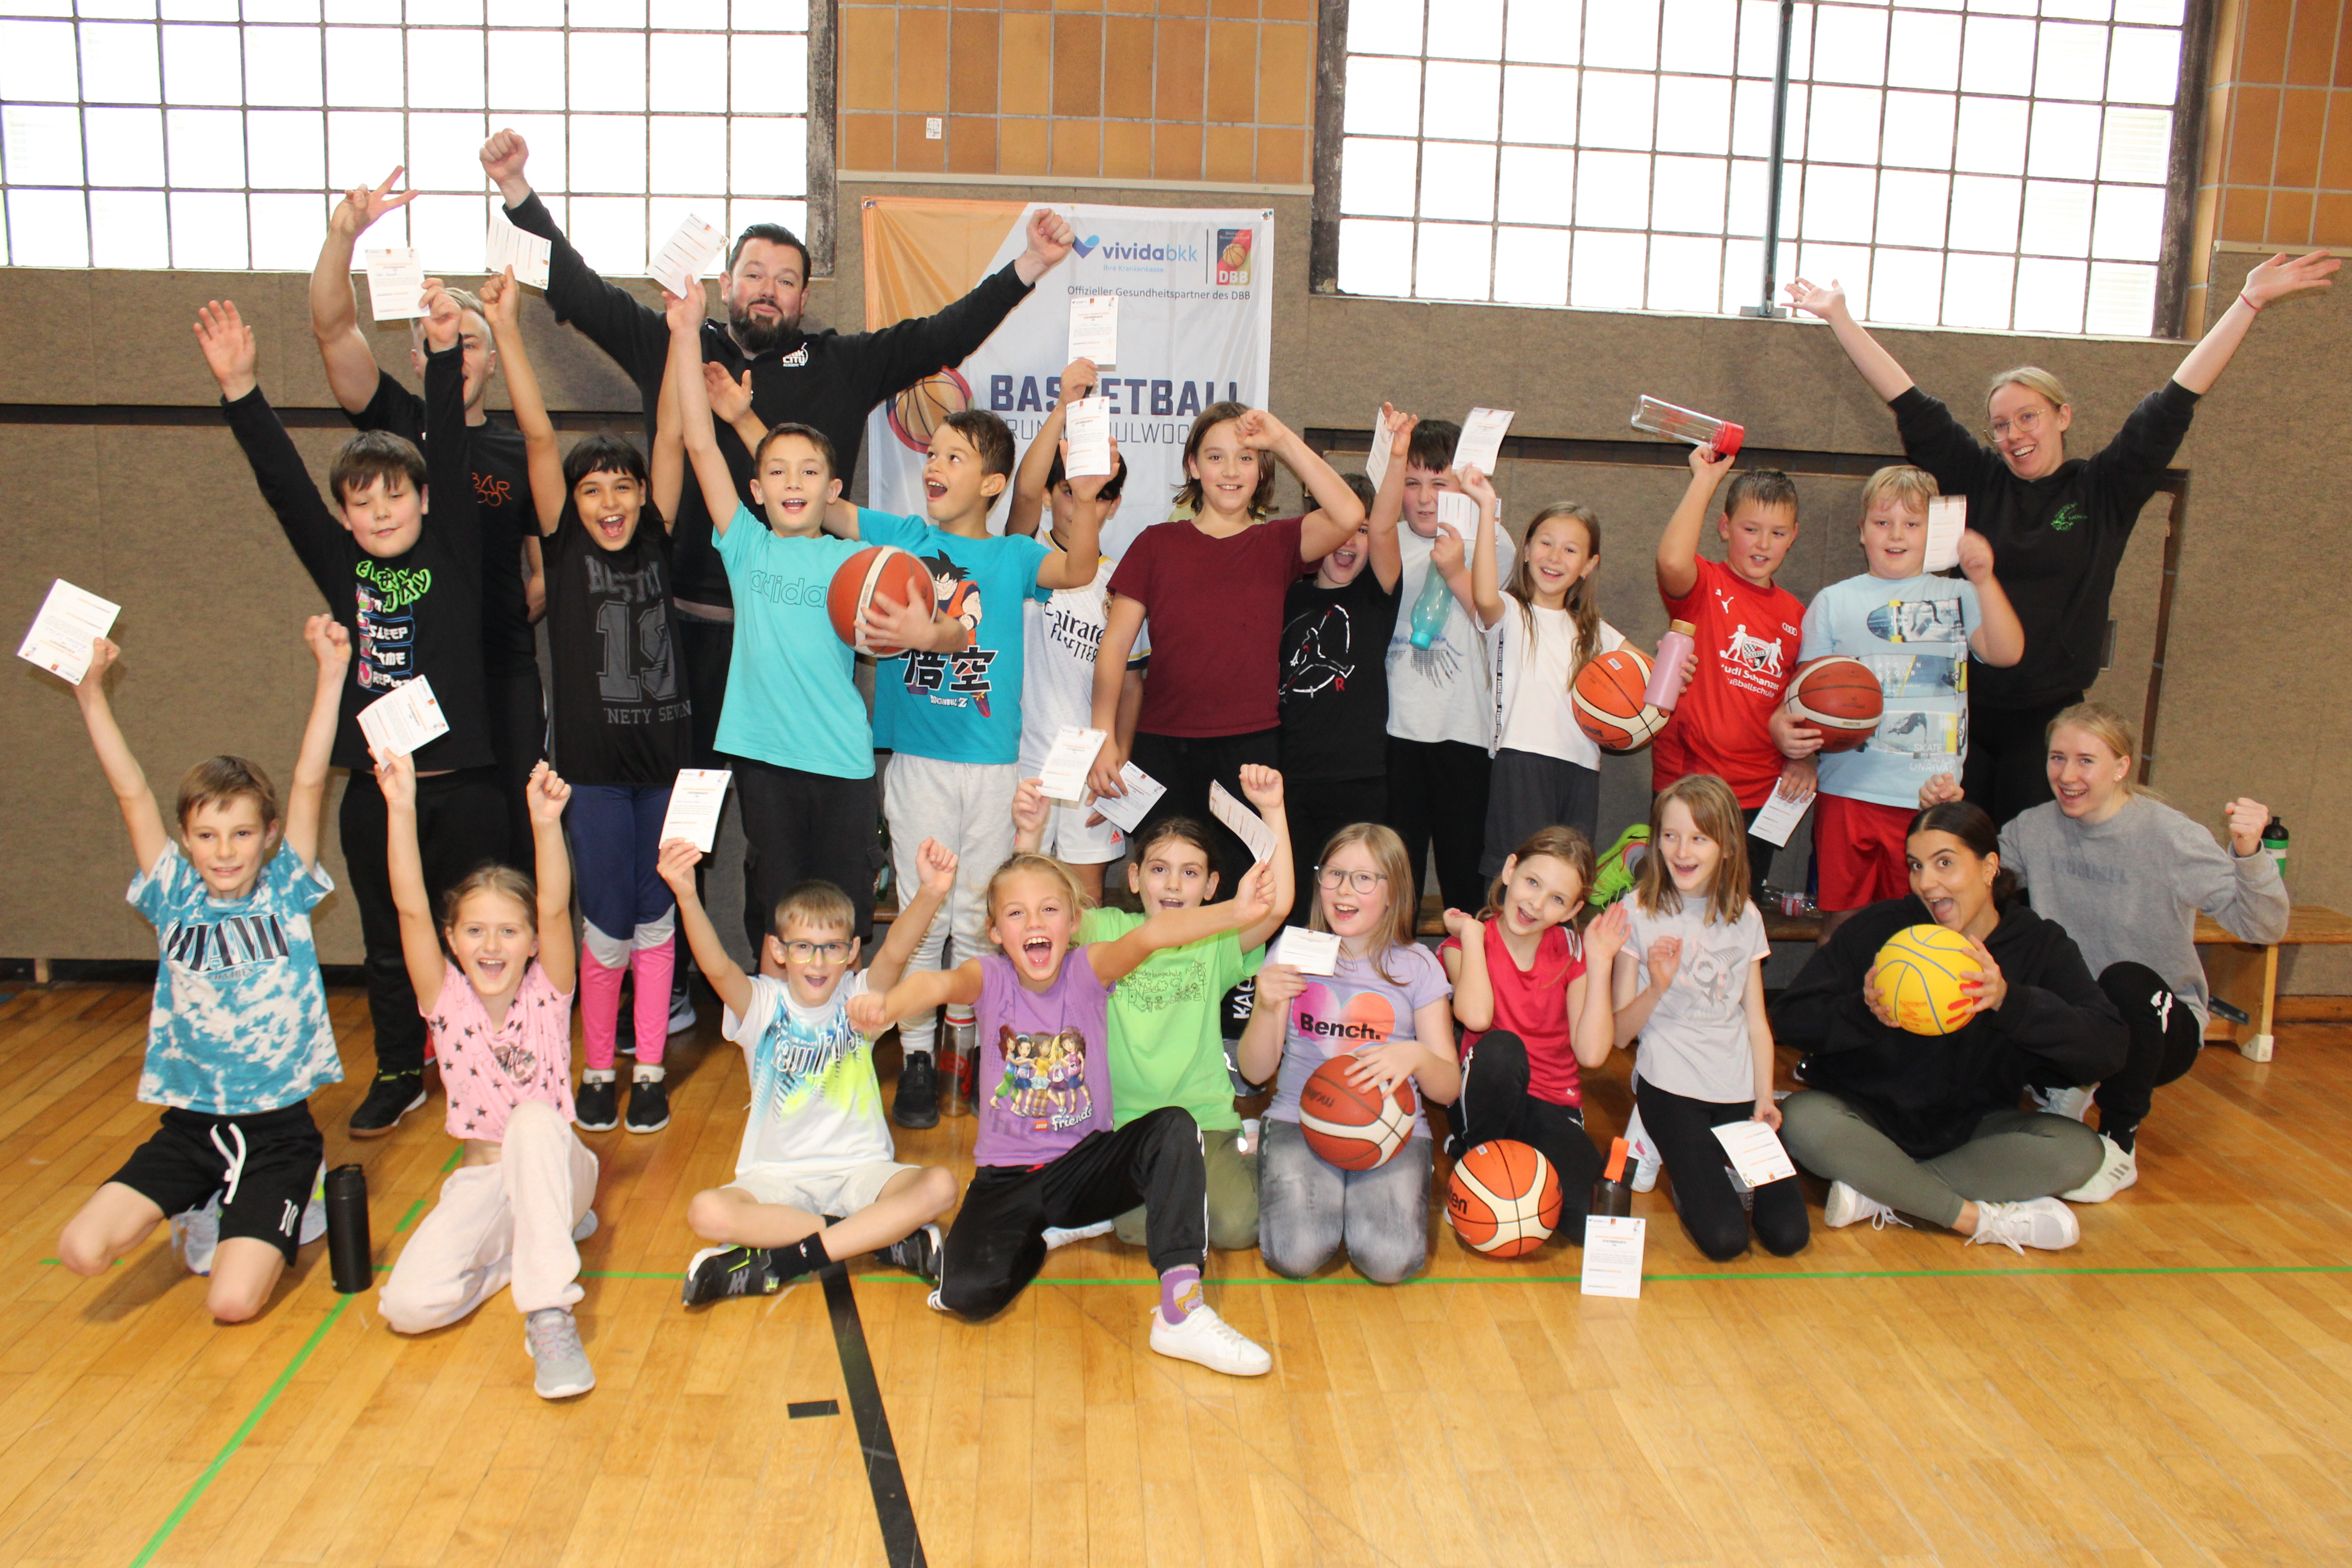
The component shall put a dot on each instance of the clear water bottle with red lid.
(1679, 424)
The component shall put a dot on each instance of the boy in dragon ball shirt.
(1730, 721)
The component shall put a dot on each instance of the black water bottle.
(350, 1256)
(1612, 1194)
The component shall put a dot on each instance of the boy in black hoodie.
(1929, 1125)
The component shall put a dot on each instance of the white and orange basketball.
(1609, 704)
(1838, 695)
(878, 568)
(1502, 1198)
(1354, 1128)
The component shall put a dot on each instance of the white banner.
(1195, 327)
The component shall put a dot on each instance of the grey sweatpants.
(2013, 1154)
(1233, 1196)
(1310, 1208)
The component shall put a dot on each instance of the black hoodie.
(2056, 540)
(1927, 1092)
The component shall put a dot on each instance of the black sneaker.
(918, 1254)
(916, 1103)
(393, 1096)
(648, 1104)
(716, 1273)
(597, 1107)
(625, 1027)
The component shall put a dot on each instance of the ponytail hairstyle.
(1968, 822)
(1387, 851)
(1188, 494)
(2111, 730)
(1583, 604)
(1562, 844)
(1715, 811)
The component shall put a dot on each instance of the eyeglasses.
(1332, 877)
(2027, 422)
(831, 952)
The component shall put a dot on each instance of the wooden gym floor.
(2176, 1390)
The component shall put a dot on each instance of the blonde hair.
(1715, 811)
(816, 902)
(1913, 486)
(1583, 602)
(492, 879)
(1562, 844)
(2035, 380)
(1387, 851)
(466, 301)
(1039, 864)
(2111, 730)
(218, 779)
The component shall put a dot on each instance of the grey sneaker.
(196, 1235)
(314, 1213)
(918, 1254)
(553, 1340)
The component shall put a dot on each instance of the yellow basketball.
(1919, 973)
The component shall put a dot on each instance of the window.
(1961, 162)
(213, 133)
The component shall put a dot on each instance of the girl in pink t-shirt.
(499, 1004)
(1521, 995)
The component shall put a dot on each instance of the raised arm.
(730, 402)
(1886, 378)
(2241, 888)
(451, 511)
(1262, 787)
(685, 382)
(1121, 621)
(2275, 279)
(1632, 1001)
(1486, 591)
(351, 372)
(317, 534)
(608, 315)
(306, 797)
(502, 303)
(2000, 636)
(558, 952)
(1594, 1010)
(938, 865)
(1336, 512)
(1678, 545)
(140, 814)
(420, 936)
(1465, 965)
(666, 468)
(1114, 960)
(1259, 1055)
(918, 992)
(897, 356)
(1028, 505)
(1074, 565)
(1388, 502)
(678, 859)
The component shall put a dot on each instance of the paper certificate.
(1613, 1256)
(1247, 825)
(507, 246)
(1779, 817)
(1755, 1151)
(694, 804)
(1948, 519)
(1088, 426)
(1481, 445)
(1126, 812)
(395, 285)
(1307, 952)
(677, 266)
(1376, 461)
(404, 719)
(71, 618)
(1094, 329)
(1460, 513)
(1064, 775)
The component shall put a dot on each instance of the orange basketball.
(1607, 697)
(1354, 1128)
(878, 567)
(916, 413)
(1502, 1198)
(1839, 696)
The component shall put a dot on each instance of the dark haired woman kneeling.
(1929, 1125)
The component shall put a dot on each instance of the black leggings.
(1188, 765)
(1494, 1103)
(1704, 1194)
(999, 1242)
(2165, 1039)
(2006, 768)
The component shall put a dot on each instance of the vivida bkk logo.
(1086, 246)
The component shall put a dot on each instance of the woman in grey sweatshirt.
(2126, 875)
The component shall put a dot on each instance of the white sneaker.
(196, 1235)
(2044, 1223)
(2073, 1104)
(1205, 1338)
(314, 1213)
(1646, 1161)
(1845, 1207)
(560, 1361)
(2119, 1170)
(1057, 1237)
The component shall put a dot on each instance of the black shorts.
(264, 1166)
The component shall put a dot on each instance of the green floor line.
(1141, 1282)
(196, 1489)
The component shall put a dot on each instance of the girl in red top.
(1212, 585)
(1529, 1019)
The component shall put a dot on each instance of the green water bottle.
(2275, 843)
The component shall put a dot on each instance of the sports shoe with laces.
(917, 1104)
(393, 1096)
(1646, 1161)
(648, 1101)
(2044, 1223)
(1846, 1205)
(1208, 1339)
(2073, 1104)
(596, 1107)
(314, 1213)
(196, 1235)
(553, 1338)
(681, 1010)
(716, 1273)
(918, 1254)
(1059, 1237)
(2117, 1171)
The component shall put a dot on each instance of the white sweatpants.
(968, 808)
(511, 1221)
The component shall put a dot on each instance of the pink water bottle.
(1678, 424)
(1674, 651)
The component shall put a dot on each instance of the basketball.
(1838, 696)
(1919, 973)
(879, 567)
(1354, 1128)
(916, 413)
(1502, 1198)
(1607, 696)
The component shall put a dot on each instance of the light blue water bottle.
(1429, 611)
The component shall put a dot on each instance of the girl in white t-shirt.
(1688, 977)
(1540, 628)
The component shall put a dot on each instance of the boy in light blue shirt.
(951, 718)
(238, 1037)
(1915, 632)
